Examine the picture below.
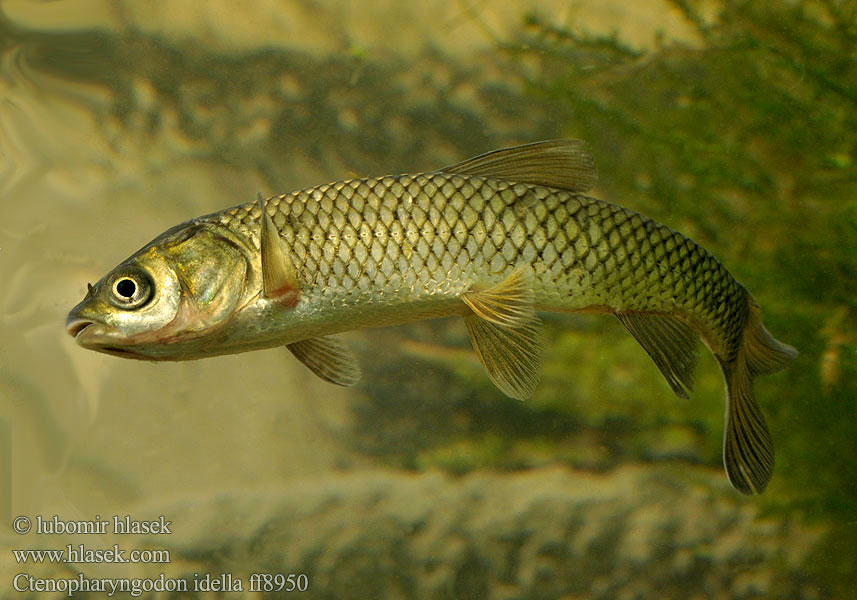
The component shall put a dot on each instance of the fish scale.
(435, 234)
(492, 240)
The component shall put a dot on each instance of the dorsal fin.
(561, 164)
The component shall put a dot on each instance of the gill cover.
(184, 285)
(211, 270)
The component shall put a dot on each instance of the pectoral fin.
(329, 358)
(279, 280)
(671, 344)
(506, 333)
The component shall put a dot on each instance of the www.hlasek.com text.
(80, 554)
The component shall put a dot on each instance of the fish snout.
(75, 325)
(87, 333)
(77, 321)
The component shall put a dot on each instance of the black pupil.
(126, 288)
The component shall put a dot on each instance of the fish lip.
(92, 335)
(96, 336)
(114, 351)
(75, 327)
(88, 334)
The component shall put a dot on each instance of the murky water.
(423, 481)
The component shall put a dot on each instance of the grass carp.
(493, 239)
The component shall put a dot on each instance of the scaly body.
(383, 251)
(492, 239)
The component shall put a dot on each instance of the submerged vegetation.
(747, 143)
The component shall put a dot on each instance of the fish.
(495, 240)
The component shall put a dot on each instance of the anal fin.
(671, 343)
(329, 358)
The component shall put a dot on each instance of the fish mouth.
(94, 336)
(88, 334)
(77, 326)
(113, 351)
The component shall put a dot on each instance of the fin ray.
(508, 303)
(329, 358)
(748, 450)
(511, 357)
(561, 164)
(279, 280)
(671, 343)
(506, 333)
(765, 354)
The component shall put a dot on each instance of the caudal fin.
(748, 452)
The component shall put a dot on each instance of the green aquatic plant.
(746, 143)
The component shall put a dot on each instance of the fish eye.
(131, 289)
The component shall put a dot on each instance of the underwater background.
(731, 121)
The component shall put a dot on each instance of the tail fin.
(748, 452)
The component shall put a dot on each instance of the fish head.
(171, 300)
